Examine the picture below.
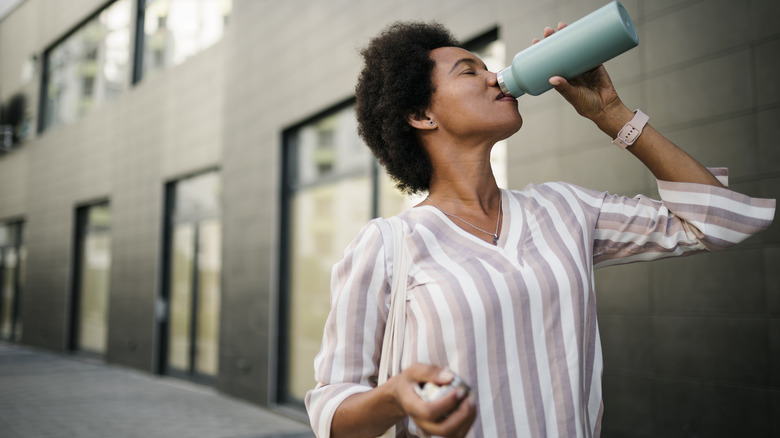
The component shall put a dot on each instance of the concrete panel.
(764, 16)
(767, 63)
(659, 9)
(772, 281)
(688, 95)
(774, 351)
(685, 409)
(608, 169)
(724, 282)
(627, 344)
(699, 31)
(768, 132)
(725, 143)
(628, 406)
(716, 350)
(770, 188)
(625, 288)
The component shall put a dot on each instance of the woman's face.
(467, 101)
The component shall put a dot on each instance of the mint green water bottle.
(571, 51)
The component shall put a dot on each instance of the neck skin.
(463, 183)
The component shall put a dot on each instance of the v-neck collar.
(503, 230)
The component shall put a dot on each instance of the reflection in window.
(12, 263)
(92, 278)
(174, 30)
(194, 272)
(89, 67)
(329, 198)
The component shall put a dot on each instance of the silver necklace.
(498, 222)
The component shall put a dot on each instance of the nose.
(493, 79)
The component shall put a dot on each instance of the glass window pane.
(174, 30)
(209, 274)
(95, 268)
(331, 197)
(8, 263)
(329, 148)
(183, 254)
(198, 197)
(90, 67)
(325, 219)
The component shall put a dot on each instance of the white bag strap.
(392, 344)
(393, 341)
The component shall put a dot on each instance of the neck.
(463, 179)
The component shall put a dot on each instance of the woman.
(500, 283)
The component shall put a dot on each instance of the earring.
(432, 123)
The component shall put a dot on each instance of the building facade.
(178, 176)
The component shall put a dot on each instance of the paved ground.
(44, 395)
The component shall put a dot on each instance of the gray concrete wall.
(691, 345)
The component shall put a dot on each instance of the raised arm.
(594, 97)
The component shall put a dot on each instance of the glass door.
(12, 262)
(91, 279)
(193, 290)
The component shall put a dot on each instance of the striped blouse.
(517, 320)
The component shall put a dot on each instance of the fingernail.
(446, 374)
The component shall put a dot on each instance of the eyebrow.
(466, 61)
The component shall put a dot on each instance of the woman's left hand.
(591, 93)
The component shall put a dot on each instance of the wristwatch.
(631, 130)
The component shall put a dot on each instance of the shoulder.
(557, 189)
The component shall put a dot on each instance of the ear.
(421, 121)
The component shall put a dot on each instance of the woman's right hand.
(450, 416)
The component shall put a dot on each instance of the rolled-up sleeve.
(689, 218)
(352, 338)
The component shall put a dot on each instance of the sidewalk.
(45, 395)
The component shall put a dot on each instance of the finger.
(534, 41)
(421, 372)
(548, 31)
(563, 87)
(457, 423)
(561, 25)
(560, 83)
(434, 411)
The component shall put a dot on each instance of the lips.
(505, 97)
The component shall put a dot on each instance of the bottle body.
(571, 51)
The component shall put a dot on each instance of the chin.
(514, 128)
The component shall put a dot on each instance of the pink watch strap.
(631, 130)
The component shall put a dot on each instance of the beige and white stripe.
(516, 320)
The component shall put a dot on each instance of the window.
(12, 264)
(331, 187)
(193, 257)
(174, 30)
(92, 270)
(329, 194)
(88, 67)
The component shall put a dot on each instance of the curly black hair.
(395, 83)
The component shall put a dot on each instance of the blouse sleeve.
(352, 339)
(689, 218)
